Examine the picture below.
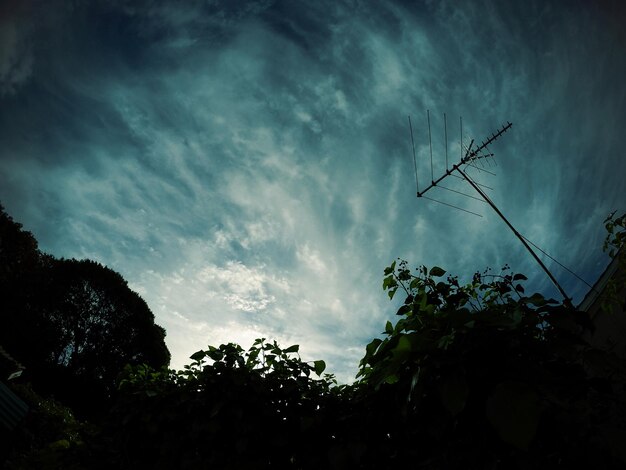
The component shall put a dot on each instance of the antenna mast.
(469, 159)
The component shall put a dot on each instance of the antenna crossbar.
(469, 156)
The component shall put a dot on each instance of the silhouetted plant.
(477, 375)
(482, 375)
(614, 246)
(73, 324)
(229, 408)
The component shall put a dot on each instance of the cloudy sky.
(247, 166)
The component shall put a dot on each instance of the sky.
(247, 166)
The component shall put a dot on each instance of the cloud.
(16, 56)
(248, 168)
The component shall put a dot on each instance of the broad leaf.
(390, 269)
(198, 355)
(436, 271)
(320, 366)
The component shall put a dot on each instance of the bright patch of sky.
(247, 166)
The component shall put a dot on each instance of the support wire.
(417, 188)
(563, 266)
(450, 205)
(430, 143)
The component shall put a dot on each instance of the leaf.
(537, 299)
(388, 328)
(513, 411)
(292, 349)
(391, 379)
(402, 349)
(389, 282)
(520, 277)
(392, 292)
(252, 357)
(390, 269)
(198, 355)
(319, 366)
(403, 310)
(436, 271)
(371, 348)
(446, 340)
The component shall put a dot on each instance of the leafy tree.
(469, 376)
(19, 253)
(73, 324)
(229, 408)
(482, 376)
(615, 290)
(100, 325)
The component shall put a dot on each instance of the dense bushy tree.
(99, 326)
(469, 376)
(19, 253)
(73, 324)
(483, 376)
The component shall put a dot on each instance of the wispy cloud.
(248, 167)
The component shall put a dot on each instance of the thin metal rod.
(417, 188)
(469, 148)
(462, 194)
(450, 205)
(481, 169)
(461, 139)
(479, 184)
(566, 300)
(563, 266)
(430, 143)
(445, 130)
(491, 139)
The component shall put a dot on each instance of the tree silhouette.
(18, 248)
(73, 324)
(99, 325)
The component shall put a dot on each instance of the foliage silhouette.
(613, 245)
(19, 253)
(73, 324)
(229, 408)
(469, 376)
(483, 376)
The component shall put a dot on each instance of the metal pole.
(566, 300)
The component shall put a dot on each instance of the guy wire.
(445, 130)
(430, 143)
(564, 267)
(450, 205)
(417, 188)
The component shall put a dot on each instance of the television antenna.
(471, 159)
